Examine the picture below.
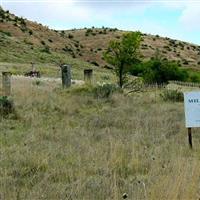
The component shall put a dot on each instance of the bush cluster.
(172, 95)
(104, 90)
(159, 71)
(6, 33)
(6, 105)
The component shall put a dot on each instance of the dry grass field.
(68, 144)
(74, 144)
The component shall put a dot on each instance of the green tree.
(123, 54)
(161, 71)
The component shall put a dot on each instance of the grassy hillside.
(67, 144)
(25, 41)
(73, 144)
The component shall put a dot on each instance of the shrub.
(6, 105)
(185, 62)
(6, 33)
(88, 31)
(105, 77)
(104, 90)
(22, 21)
(194, 78)
(23, 28)
(30, 32)
(37, 82)
(46, 49)
(167, 48)
(76, 45)
(43, 42)
(172, 95)
(94, 63)
(159, 71)
(62, 33)
(70, 36)
(27, 42)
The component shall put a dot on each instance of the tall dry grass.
(66, 144)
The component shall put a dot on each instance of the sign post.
(190, 137)
(192, 112)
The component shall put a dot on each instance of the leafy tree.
(161, 71)
(122, 54)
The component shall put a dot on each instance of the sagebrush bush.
(172, 95)
(70, 36)
(6, 105)
(6, 33)
(104, 90)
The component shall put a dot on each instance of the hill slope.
(22, 40)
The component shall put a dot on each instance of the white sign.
(192, 109)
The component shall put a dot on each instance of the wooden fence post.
(190, 137)
(6, 83)
(66, 76)
(88, 73)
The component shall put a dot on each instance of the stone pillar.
(66, 76)
(88, 73)
(6, 83)
(33, 67)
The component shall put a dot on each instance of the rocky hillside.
(22, 40)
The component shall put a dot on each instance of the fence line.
(154, 86)
(146, 87)
(188, 84)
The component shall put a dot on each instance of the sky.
(178, 19)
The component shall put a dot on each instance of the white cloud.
(190, 17)
(50, 13)
(63, 14)
(128, 14)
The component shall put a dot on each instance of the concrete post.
(66, 76)
(88, 73)
(6, 83)
(33, 67)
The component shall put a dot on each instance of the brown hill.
(23, 40)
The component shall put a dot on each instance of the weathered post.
(6, 83)
(190, 137)
(66, 76)
(33, 67)
(88, 73)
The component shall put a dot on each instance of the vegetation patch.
(172, 95)
(6, 106)
(6, 33)
(105, 90)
